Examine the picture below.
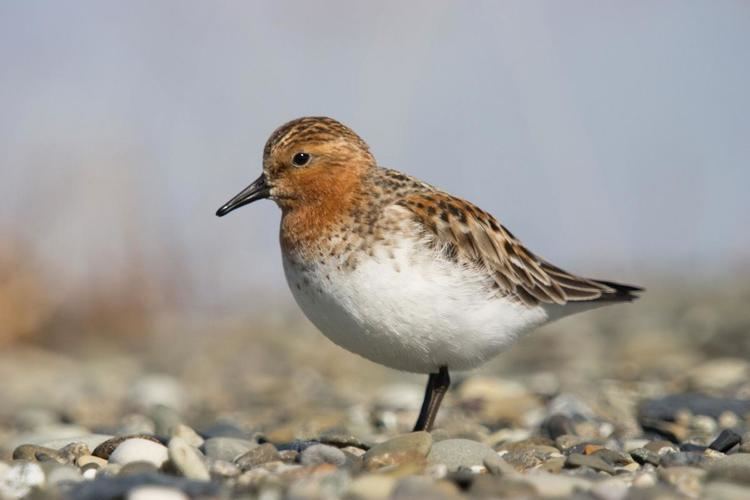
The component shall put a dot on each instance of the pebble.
(687, 480)
(74, 451)
(732, 468)
(610, 489)
(322, 454)
(153, 492)
(227, 448)
(719, 490)
(371, 486)
(187, 460)
(459, 453)
(497, 466)
(261, 454)
(139, 449)
(19, 478)
(725, 441)
(556, 485)
(105, 449)
(89, 460)
(188, 434)
(60, 473)
(592, 461)
(645, 456)
(399, 450)
(37, 453)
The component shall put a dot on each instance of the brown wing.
(469, 233)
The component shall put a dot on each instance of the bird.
(398, 271)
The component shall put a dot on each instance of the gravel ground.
(650, 400)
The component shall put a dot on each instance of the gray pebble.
(459, 453)
(227, 448)
(592, 461)
(187, 460)
(260, 455)
(322, 454)
(732, 468)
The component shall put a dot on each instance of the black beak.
(258, 190)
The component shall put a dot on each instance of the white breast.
(407, 308)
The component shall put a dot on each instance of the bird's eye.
(301, 159)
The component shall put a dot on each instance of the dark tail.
(619, 292)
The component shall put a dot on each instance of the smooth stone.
(139, 449)
(37, 454)
(529, 453)
(406, 448)
(592, 461)
(644, 456)
(137, 468)
(683, 458)
(687, 480)
(567, 441)
(610, 489)
(343, 439)
(661, 447)
(718, 373)
(557, 425)
(261, 454)
(223, 468)
(457, 453)
(61, 473)
(733, 468)
(108, 487)
(418, 487)
(165, 419)
(153, 492)
(188, 434)
(227, 448)
(90, 460)
(556, 485)
(187, 460)
(105, 449)
(725, 441)
(613, 457)
(720, 490)
(497, 466)
(322, 454)
(490, 487)
(73, 451)
(19, 478)
(371, 486)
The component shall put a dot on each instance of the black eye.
(301, 159)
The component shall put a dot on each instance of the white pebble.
(155, 493)
(17, 480)
(139, 450)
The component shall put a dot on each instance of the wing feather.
(473, 235)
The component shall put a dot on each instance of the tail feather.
(619, 292)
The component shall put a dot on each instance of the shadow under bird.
(398, 271)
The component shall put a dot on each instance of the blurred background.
(612, 138)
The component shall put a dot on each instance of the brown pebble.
(105, 449)
(262, 454)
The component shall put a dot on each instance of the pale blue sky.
(610, 136)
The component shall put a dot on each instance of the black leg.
(437, 386)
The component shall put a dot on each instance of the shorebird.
(401, 272)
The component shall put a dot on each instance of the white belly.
(409, 310)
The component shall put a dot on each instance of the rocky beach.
(645, 401)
